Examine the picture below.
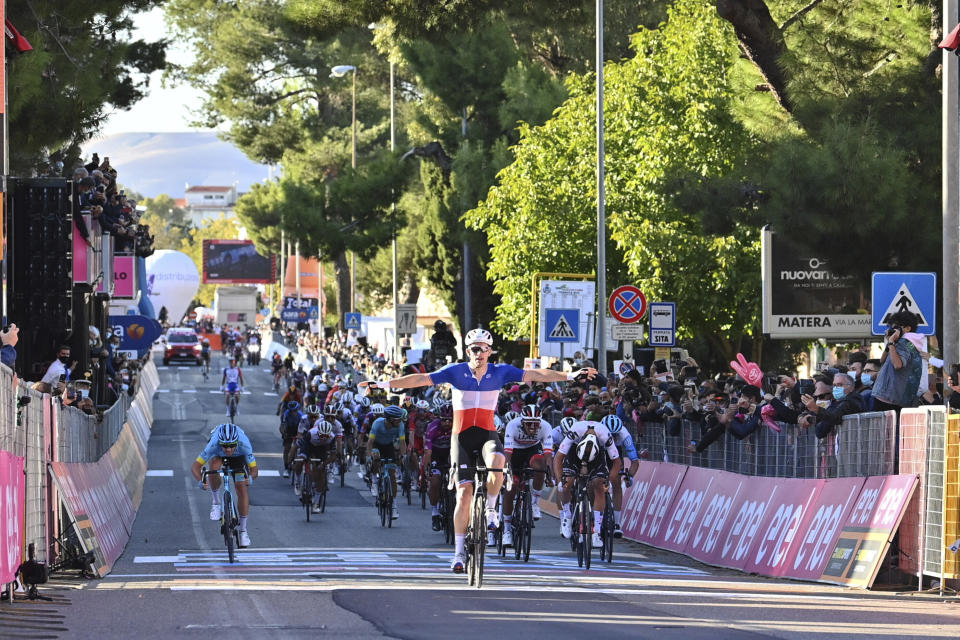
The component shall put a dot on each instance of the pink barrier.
(823, 530)
(12, 503)
(98, 500)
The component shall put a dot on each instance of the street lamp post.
(338, 72)
(601, 325)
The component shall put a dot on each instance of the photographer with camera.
(902, 365)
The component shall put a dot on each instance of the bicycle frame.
(229, 516)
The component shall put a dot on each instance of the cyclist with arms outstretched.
(229, 446)
(476, 389)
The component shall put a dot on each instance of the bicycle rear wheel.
(343, 470)
(381, 502)
(226, 528)
(306, 491)
(233, 408)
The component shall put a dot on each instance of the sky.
(164, 109)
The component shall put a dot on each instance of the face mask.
(125, 387)
(93, 342)
(64, 359)
(839, 393)
(84, 393)
(866, 379)
(594, 392)
(823, 404)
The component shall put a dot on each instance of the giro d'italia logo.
(135, 331)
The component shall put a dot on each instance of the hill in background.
(155, 163)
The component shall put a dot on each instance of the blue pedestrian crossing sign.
(351, 320)
(561, 325)
(313, 313)
(899, 291)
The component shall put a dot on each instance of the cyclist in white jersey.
(231, 383)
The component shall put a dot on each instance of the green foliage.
(168, 223)
(663, 118)
(82, 66)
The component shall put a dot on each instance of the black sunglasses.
(479, 349)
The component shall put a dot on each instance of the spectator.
(845, 401)
(57, 373)
(899, 377)
(9, 338)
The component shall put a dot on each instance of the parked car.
(182, 344)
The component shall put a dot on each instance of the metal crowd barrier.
(42, 427)
(863, 445)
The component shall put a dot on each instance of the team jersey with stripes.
(475, 401)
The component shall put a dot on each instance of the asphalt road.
(342, 575)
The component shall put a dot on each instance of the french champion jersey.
(475, 402)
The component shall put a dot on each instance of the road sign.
(193, 315)
(625, 332)
(663, 324)
(561, 325)
(628, 304)
(625, 367)
(913, 292)
(313, 313)
(351, 320)
(406, 319)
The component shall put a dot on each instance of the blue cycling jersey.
(214, 450)
(624, 441)
(384, 433)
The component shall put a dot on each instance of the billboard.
(236, 262)
(804, 298)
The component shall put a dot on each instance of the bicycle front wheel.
(586, 539)
(388, 509)
(480, 537)
(228, 525)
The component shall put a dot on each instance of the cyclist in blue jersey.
(387, 442)
(476, 390)
(628, 450)
(228, 445)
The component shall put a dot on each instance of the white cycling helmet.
(346, 397)
(481, 336)
(422, 405)
(566, 427)
(510, 416)
(588, 448)
(364, 402)
(324, 428)
(377, 409)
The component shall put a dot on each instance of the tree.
(668, 113)
(220, 228)
(168, 222)
(83, 65)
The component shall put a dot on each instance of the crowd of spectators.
(99, 195)
(686, 400)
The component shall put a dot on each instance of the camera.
(805, 386)
(893, 329)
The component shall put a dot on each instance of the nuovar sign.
(804, 298)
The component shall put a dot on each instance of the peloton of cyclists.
(476, 389)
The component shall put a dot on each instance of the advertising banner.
(130, 463)
(12, 503)
(567, 294)
(804, 298)
(835, 530)
(868, 530)
(137, 333)
(236, 262)
(124, 277)
(645, 504)
(95, 492)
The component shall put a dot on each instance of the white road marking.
(189, 390)
(148, 559)
(163, 390)
(184, 368)
(168, 473)
(269, 473)
(269, 393)
(162, 368)
(215, 391)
